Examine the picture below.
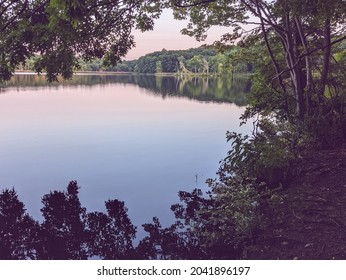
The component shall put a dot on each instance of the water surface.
(135, 138)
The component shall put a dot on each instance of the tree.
(195, 63)
(18, 231)
(147, 64)
(63, 233)
(299, 39)
(163, 243)
(111, 234)
(169, 62)
(217, 63)
(67, 231)
(63, 31)
(158, 66)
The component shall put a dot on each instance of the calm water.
(135, 138)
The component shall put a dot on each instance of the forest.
(267, 200)
(203, 60)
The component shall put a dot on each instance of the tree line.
(195, 61)
(203, 60)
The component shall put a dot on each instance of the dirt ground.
(308, 220)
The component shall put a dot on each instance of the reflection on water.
(213, 89)
(116, 138)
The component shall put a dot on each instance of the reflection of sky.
(116, 141)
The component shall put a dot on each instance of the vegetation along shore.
(279, 193)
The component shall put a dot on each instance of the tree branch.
(16, 16)
(325, 46)
(308, 53)
(194, 4)
(266, 20)
(272, 58)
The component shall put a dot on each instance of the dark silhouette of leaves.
(111, 234)
(18, 231)
(63, 229)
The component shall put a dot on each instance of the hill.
(200, 60)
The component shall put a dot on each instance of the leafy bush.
(266, 156)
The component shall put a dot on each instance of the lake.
(136, 138)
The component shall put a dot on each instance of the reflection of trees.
(219, 89)
(211, 89)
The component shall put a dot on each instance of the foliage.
(67, 231)
(297, 98)
(195, 64)
(180, 240)
(18, 231)
(62, 32)
(293, 47)
(166, 243)
(267, 156)
(223, 224)
(197, 60)
(298, 53)
(111, 234)
(218, 226)
(63, 229)
(238, 201)
(201, 231)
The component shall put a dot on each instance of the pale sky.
(166, 34)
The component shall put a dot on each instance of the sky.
(166, 34)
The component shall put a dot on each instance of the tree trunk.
(326, 60)
(308, 71)
(292, 61)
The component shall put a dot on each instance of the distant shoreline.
(105, 73)
(25, 72)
